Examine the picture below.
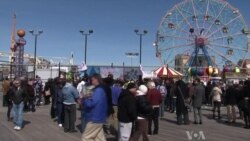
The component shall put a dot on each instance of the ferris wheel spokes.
(195, 14)
(216, 19)
(185, 18)
(178, 27)
(218, 53)
(229, 47)
(227, 36)
(174, 47)
(223, 26)
(208, 4)
(177, 37)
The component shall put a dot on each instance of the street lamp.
(131, 55)
(140, 34)
(86, 41)
(35, 34)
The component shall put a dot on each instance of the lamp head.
(81, 31)
(40, 31)
(136, 30)
(91, 31)
(145, 31)
(31, 31)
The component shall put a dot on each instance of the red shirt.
(154, 97)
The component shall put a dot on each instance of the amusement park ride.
(213, 33)
(18, 60)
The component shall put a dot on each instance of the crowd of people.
(125, 109)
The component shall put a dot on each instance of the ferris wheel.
(209, 32)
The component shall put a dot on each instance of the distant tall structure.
(19, 54)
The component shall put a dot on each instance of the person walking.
(163, 91)
(245, 104)
(127, 113)
(144, 111)
(58, 102)
(81, 88)
(18, 96)
(155, 98)
(216, 98)
(198, 98)
(31, 95)
(70, 96)
(96, 107)
(182, 102)
(231, 102)
(10, 112)
(6, 86)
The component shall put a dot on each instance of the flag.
(82, 67)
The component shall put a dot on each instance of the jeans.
(60, 113)
(173, 103)
(10, 112)
(18, 114)
(231, 113)
(197, 112)
(154, 118)
(162, 107)
(217, 106)
(69, 117)
(31, 105)
(125, 130)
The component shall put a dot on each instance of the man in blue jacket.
(96, 114)
(70, 97)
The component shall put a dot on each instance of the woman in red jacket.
(155, 99)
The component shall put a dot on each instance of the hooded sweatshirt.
(144, 109)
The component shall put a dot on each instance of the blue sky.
(113, 22)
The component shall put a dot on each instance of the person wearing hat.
(127, 113)
(144, 110)
(155, 98)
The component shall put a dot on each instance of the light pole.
(131, 55)
(35, 34)
(140, 34)
(86, 41)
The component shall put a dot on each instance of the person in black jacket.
(31, 95)
(181, 110)
(126, 112)
(18, 95)
(144, 110)
(58, 102)
(10, 114)
(245, 103)
(231, 102)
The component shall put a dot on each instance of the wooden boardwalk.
(39, 127)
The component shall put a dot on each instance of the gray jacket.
(70, 94)
(199, 95)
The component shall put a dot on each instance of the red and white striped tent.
(165, 71)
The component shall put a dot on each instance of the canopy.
(165, 71)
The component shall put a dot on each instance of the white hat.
(151, 84)
(142, 90)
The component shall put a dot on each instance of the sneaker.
(18, 128)
(60, 125)
(15, 128)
